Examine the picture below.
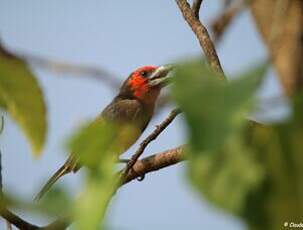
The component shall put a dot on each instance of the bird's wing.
(126, 110)
(131, 118)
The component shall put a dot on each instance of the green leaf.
(91, 142)
(22, 97)
(214, 109)
(227, 177)
(250, 170)
(56, 202)
(221, 167)
(96, 146)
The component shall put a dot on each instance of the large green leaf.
(56, 202)
(214, 109)
(221, 166)
(251, 170)
(228, 176)
(22, 97)
(94, 146)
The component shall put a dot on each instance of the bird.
(134, 104)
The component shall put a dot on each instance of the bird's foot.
(141, 178)
(126, 161)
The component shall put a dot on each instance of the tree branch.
(280, 24)
(150, 138)
(196, 7)
(16, 220)
(220, 24)
(203, 36)
(64, 67)
(72, 69)
(155, 162)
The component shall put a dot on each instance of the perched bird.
(134, 105)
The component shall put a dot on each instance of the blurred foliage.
(22, 97)
(2, 103)
(278, 148)
(226, 177)
(55, 203)
(214, 109)
(248, 169)
(95, 146)
(221, 167)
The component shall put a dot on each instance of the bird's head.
(146, 82)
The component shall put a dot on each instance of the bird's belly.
(126, 136)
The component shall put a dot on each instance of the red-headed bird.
(134, 105)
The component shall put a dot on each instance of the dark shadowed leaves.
(279, 149)
(22, 97)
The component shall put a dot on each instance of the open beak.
(161, 77)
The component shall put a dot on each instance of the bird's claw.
(141, 178)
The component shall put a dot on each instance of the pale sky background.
(119, 36)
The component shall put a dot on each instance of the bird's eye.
(143, 73)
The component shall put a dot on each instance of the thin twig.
(64, 67)
(227, 3)
(150, 138)
(72, 69)
(16, 220)
(220, 24)
(196, 7)
(203, 36)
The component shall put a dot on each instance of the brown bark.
(155, 162)
(203, 37)
(280, 23)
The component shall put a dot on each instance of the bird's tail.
(59, 173)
